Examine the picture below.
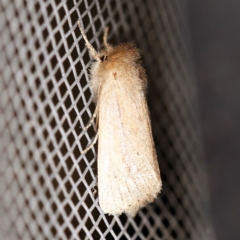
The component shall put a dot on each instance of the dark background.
(215, 36)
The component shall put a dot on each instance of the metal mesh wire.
(46, 186)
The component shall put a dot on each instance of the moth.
(128, 170)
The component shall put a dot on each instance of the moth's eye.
(103, 58)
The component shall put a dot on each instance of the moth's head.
(125, 52)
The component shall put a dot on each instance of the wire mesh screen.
(48, 190)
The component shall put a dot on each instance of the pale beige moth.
(128, 170)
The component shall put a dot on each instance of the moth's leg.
(91, 120)
(91, 144)
(94, 190)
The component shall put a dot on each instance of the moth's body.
(128, 172)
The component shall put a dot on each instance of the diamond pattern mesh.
(47, 189)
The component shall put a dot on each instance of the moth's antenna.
(91, 49)
(105, 42)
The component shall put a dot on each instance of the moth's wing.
(128, 171)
